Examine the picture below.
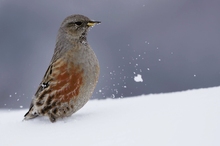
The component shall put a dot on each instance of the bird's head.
(76, 26)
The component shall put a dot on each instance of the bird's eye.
(78, 23)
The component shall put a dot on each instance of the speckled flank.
(64, 86)
(68, 82)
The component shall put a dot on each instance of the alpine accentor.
(72, 74)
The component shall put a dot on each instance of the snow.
(189, 118)
(138, 78)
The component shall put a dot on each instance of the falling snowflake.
(138, 78)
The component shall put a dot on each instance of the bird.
(72, 74)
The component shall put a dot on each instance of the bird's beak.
(92, 23)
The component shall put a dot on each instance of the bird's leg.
(52, 117)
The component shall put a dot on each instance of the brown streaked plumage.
(72, 74)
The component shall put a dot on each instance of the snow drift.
(189, 118)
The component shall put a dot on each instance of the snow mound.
(176, 119)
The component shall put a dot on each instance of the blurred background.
(143, 46)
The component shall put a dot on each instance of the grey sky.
(173, 44)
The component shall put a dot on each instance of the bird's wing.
(45, 81)
(43, 85)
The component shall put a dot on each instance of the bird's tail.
(31, 113)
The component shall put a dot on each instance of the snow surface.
(189, 118)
